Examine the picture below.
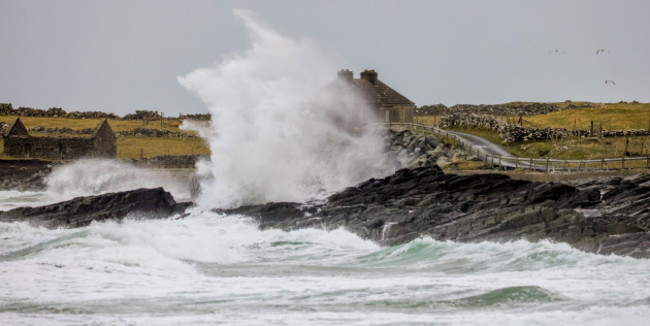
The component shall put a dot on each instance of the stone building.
(19, 143)
(386, 103)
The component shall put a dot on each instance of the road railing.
(534, 164)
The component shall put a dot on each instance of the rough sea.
(222, 270)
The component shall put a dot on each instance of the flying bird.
(556, 51)
(602, 51)
(609, 81)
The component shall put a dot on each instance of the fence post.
(516, 162)
(499, 160)
(547, 164)
(647, 161)
(602, 163)
(623, 163)
(531, 164)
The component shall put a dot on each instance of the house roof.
(379, 93)
(102, 125)
(370, 87)
(17, 129)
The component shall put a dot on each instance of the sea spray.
(89, 177)
(275, 136)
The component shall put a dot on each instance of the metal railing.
(544, 165)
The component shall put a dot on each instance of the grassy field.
(77, 124)
(570, 149)
(128, 147)
(131, 147)
(612, 116)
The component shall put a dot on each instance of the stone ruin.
(19, 143)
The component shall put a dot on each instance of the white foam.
(88, 177)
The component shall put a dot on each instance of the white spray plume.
(97, 176)
(276, 137)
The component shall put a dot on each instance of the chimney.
(369, 75)
(345, 74)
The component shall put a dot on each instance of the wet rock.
(425, 201)
(81, 211)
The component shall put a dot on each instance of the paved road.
(491, 148)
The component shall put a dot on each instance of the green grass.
(131, 147)
(128, 147)
(569, 149)
(612, 116)
(77, 124)
(465, 165)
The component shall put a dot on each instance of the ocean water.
(222, 270)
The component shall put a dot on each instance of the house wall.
(21, 145)
(104, 143)
(396, 113)
(48, 147)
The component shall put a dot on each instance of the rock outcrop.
(610, 217)
(81, 211)
(411, 150)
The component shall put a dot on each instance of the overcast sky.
(120, 56)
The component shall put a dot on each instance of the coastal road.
(486, 146)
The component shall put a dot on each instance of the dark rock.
(426, 202)
(81, 211)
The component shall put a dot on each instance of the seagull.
(602, 51)
(609, 81)
(556, 51)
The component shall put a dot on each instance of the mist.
(98, 176)
(277, 134)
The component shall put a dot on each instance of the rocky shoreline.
(607, 216)
(604, 217)
(81, 211)
(611, 217)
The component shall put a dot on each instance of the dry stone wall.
(146, 132)
(7, 109)
(510, 109)
(510, 132)
(169, 161)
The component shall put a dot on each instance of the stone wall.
(396, 113)
(7, 109)
(515, 133)
(62, 130)
(197, 116)
(47, 147)
(169, 161)
(146, 132)
(509, 109)
(18, 143)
